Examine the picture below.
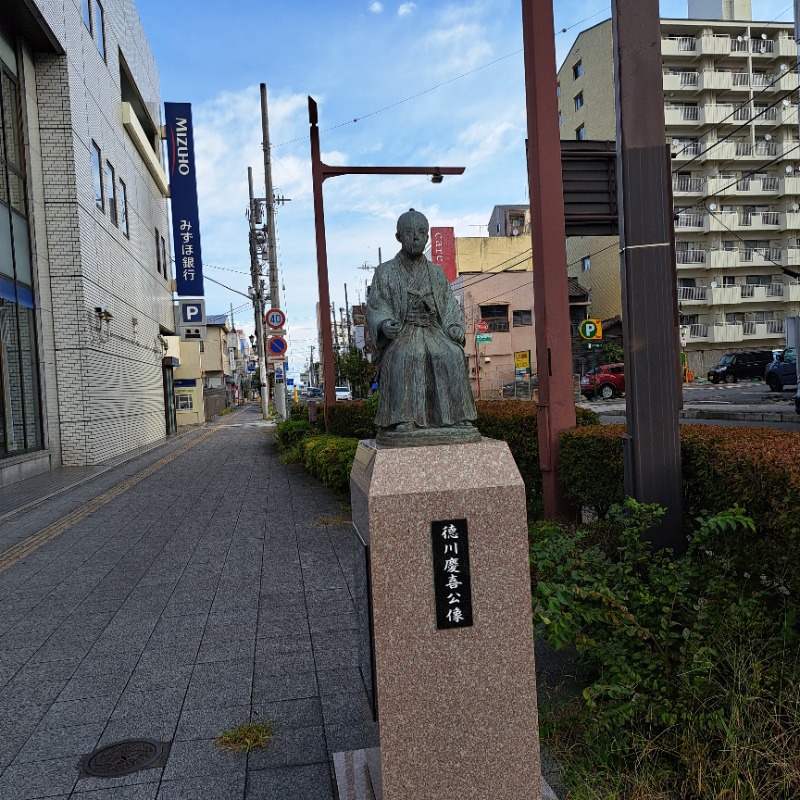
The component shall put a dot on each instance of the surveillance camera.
(98, 310)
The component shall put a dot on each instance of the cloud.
(376, 7)
(406, 9)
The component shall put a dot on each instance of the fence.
(214, 402)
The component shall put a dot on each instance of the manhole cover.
(122, 758)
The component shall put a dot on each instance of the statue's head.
(412, 232)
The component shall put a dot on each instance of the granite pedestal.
(456, 706)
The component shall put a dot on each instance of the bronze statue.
(417, 327)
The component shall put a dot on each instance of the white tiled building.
(84, 246)
(730, 100)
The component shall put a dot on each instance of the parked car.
(797, 399)
(783, 370)
(608, 380)
(739, 366)
(313, 392)
(343, 393)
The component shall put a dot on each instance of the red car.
(609, 380)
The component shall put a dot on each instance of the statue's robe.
(422, 375)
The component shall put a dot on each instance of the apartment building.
(85, 276)
(730, 105)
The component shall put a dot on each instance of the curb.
(707, 413)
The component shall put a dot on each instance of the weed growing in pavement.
(693, 662)
(246, 737)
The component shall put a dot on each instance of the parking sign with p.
(591, 329)
(193, 312)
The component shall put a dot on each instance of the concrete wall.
(103, 381)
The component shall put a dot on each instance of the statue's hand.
(391, 328)
(456, 333)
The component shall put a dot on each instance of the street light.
(319, 173)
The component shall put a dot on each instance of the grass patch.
(246, 737)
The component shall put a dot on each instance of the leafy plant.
(246, 737)
(694, 664)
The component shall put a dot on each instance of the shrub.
(514, 421)
(353, 419)
(291, 431)
(694, 685)
(329, 458)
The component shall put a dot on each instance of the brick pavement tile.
(216, 650)
(192, 758)
(218, 787)
(227, 670)
(38, 779)
(336, 639)
(158, 656)
(20, 692)
(48, 670)
(102, 665)
(48, 743)
(203, 694)
(336, 681)
(144, 777)
(351, 736)
(288, 714)
(141, 791)
(271, 688)
(345, 708)
(174, 676)
(335, 608)
(282, 624)
(307, 782)
(293, 747)
(206, 723)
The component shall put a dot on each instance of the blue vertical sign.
(183, 198)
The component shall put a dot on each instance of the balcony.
(697, 333)
(725, 332)
(790, 186)
(714, 113)
(692, 295)
(771, 329)
(690, 257)
(689, 221)
(793, 292)
(760, 256)
(674, 82)
(720, 221)
(678, 45)
(724, 259)
(790, 221)
(724, 296)
(688, 185)
(763, 219)
(760, 293)
(718, 81)
(713, 45)
(791, 257)
(675, 116)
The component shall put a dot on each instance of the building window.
(97, 160)
(522, 318)
(577, 70)
(497, 317)
(112, 193)
(99, 29)
(20, 399)
(158, 251)
(560, 119)
(558, 90)
(87, 15)
(578, 101)
(580, 133)
(586, 263)
(164, 259)
(184, 402)
(123, 209)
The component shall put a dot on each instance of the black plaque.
(451, 575)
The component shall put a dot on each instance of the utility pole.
(556, 412)
(651, 448)
(335, 329)
(347, 317)
(274, 286)
(258, 308)
(311, 368)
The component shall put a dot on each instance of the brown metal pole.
(322, 262)
(652, 453)
(550, 297)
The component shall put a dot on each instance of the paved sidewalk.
(169, 600)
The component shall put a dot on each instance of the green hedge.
(354, 419)
(291, 431)
(329, 458)
(514, 421)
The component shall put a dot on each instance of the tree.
(356, 370)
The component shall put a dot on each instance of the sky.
(422, 83)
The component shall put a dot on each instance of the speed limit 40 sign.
(275, 318)
(591, 329)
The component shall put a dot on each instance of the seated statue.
(417, 328)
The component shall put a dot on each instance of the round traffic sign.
(275, 318)
(483, 326)
(591, 329)
(276, 345)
